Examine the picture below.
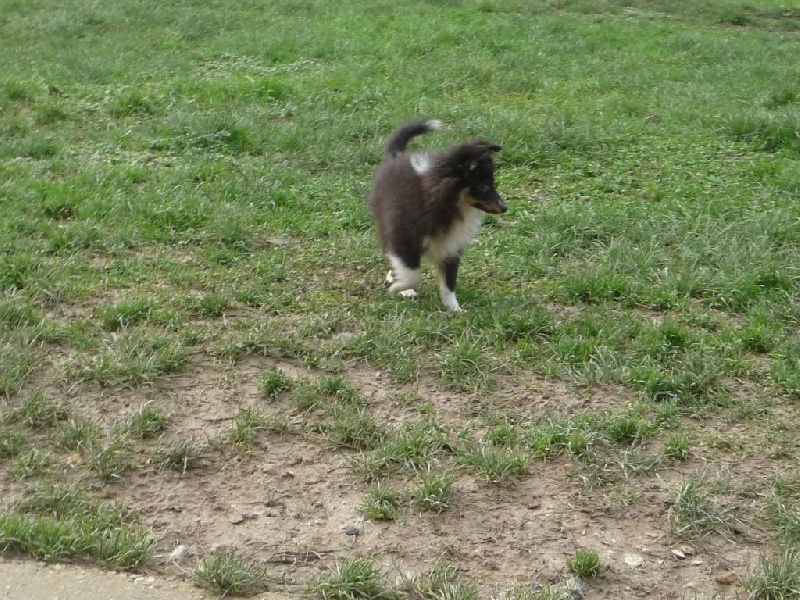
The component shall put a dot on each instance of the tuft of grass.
(12, 443)
(776, 577)
(77, 434)
(352, 579)
(245, 429)
(694, 513)
(147, 422)
(586, 563)
(494, 465)
(126, 313)
(274, 382)
(354, 428)
(382, 503)
(228, 573)
(769, 133)
(277, 423)
(109, 460)
(435, 491)
(677, 447)
(31, 464)
(443, 582)
(181, 456)
(413, 448)
(545, 592)
(37, 412)
(134, 359)
(55, 523)
(213, 305)
(467, 365)
(783, 509)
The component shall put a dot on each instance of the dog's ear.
(471, 152)
(487, 146)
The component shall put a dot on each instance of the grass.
(435, 492)
(54, 523)
(227, 573)
(147, 422)
(585, 563)
(776, 577)
(182, 191)
(352, 579)
(181, 456)
(695, 512)
(382, 503)
(443, 581)
(245, 428)
(494, 465)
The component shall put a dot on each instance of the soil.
(293, 504)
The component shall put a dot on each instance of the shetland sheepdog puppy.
(430, 204)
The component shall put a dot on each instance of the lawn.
(197, 350)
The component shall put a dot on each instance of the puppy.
(430, 205)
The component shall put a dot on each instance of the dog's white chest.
(456, 238)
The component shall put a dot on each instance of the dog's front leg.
(447, 275)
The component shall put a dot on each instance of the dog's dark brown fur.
(430, 204)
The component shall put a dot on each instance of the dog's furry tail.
(399, 139)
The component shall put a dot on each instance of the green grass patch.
(62, 523)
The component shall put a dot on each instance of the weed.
(585, 563)
(382, 503)
(435, 491)
(37, 412)
(246, 425)
(352, 579)
(147, 422)
(78, 434)
(228, 573)
(274, 382)
(442, 582)
(30, 464)
(694, 513)
(494, 465)
(181, 456)
(775, 578)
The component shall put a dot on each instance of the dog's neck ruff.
(456, 237)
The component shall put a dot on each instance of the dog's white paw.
(449, 300)
(408, 294)
(390, 278)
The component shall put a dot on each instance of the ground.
(293, 503)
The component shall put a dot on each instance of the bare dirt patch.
(292, 503)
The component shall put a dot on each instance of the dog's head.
(476, 160)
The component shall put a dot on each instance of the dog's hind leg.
(446, 276)
(390, 279)
(403, 278)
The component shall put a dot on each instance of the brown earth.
(293, 504)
